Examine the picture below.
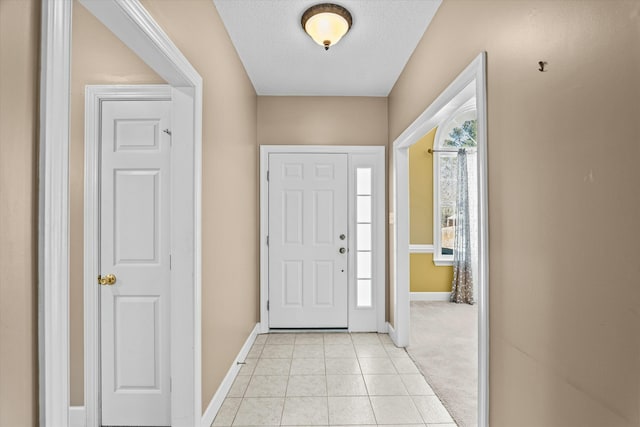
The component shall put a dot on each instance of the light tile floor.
(330, 379)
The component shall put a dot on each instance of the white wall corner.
(220, 394)
(392, 334)
(77, 416)
(430, 296)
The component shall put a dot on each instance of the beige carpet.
(444, 341)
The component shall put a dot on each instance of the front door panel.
(307, 216)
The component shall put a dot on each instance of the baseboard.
(216, 402)
(430, 296)
(77, 416)
(392, 333)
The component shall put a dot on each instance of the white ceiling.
(281, 59)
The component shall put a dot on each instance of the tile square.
(405, 366)
(337, 338)
(227, 412)
(239, 386)
(416, 385)
(339, 350)
(385, 385)
(338, 366)
(248, 367)
(365, 338)
(277, 351)
(307, 351)
(261, 339)
(370, 350)
(385, 339)
(272, 367)
(309, 339)
(346, 385)
(307, 385)
(255, 411)
(280, 339)
(432, 410)
(350, 410)
(372, 365)
(395, 410)
(267, 386)
(307, 367)
(396, 352)
(255, 351)
(305, 411)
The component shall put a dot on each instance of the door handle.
(107, 280)
(342, 250)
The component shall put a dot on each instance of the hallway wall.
(19, 76)
(563, 176)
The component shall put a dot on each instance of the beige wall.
(229, 183)
(323, 120)
(19, 58)
(314, 120)
(229, 212)
(563, 205)
(97, 57)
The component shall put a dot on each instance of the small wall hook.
(541, 64)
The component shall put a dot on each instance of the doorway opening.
(322, 234)
(454, 126)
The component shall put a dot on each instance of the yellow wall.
(424, 276)
(421, 191)
(19, 50)
(563, 175)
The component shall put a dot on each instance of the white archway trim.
(130, 22)
(471, 80)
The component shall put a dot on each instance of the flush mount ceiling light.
(326, 23)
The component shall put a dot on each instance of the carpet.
(444, 342)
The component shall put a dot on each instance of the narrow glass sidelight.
(364, 244)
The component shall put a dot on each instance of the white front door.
(308, 237)
(135, 248)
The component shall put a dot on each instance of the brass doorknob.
(107, 280)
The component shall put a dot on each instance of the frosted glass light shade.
(326, 23)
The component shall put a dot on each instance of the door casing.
(359, 156)
(94, 97)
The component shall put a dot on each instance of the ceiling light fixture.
(326, 23)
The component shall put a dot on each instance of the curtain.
(462, 286)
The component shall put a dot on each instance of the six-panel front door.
(135, 248)
(308, 241)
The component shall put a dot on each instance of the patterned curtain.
(462, 286)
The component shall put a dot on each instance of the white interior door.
(135, 248)
(308, 241)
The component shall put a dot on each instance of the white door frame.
(94, 96)
(130, 22)
(448, 101)
(379, 245)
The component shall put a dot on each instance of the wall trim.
(378, 227)
(392, 333)
(430, 296)
(130, 22)
(471, 80)
(220, 394)
(77, 417)
(421, 249)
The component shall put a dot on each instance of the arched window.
(457, 131)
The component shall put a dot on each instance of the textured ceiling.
(281, 59)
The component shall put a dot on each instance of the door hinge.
(170, 261)
(267, 305)
(267, 240)
(267, 175)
